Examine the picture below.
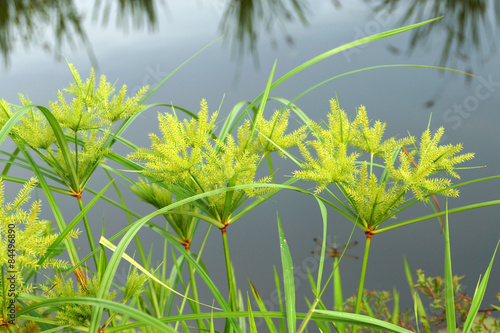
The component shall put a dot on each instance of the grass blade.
(448, 280)
(119, 307)
(262, 307)
(478, 296)
(280, 298)
(324, 216)
(251, 320)
(361, 320)
(420, 314)
(288, 280)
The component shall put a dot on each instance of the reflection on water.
(244, 19)
(52, 24)
(140, 12)
(26, 22)
(469, 25)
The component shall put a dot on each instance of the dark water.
(143, 47)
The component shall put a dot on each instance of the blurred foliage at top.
(469, 25)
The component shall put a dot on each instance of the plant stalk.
(308, 316)
(88, 232)
(201, 324)
(229, 271)
(361, 286)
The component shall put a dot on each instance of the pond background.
(233, 70)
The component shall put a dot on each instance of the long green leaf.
(360, 320)
(251, 319)
(479, 295)
(280, 298)
(324, 218)
(288, 280)
(328, 54)
(431, 216)
(419, 307)
(119, 307)
(345, 317)
(448, 280)
(262, 307)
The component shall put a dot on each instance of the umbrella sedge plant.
(210, 168)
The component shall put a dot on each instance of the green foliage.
(375, 198)
(24, 239)
(376, 304)
(87, 120)
(75, 314)
(194, 173)
(190, 156)
(181, 222)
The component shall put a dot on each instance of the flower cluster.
(86, 120)
(190, 155)
(374, 196)
(24, 240)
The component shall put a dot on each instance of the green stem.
(136, 237)
(371, 164)
(229, 271)
(201, 324)
(337, 292)
(308, 316)
(11, 159)
(338, 298)
(361, 286)
(89, 232)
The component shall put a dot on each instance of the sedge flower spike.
(373, 197)
(187, 154)
(32, 239)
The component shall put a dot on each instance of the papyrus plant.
(389, 180)
(191, 160)
(24, 240)
(86, 120)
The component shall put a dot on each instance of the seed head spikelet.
(86, 113)
(187, 154)
(369, 139)
(373, 199)
(274, 130)
(32, 238)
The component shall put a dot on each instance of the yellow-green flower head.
(369, 139)
(272, 133)
(32, 238)
(188, 154)
(432, 159)
(91, 107)
(376, 188)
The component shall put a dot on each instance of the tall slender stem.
(361, 286)
(201, 324)
(88, 232)
(338, 298)
(229, 271)
(303, 325)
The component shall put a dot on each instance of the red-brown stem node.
(77, 194)
(223, 229)
(186, 243)
(369, 233)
